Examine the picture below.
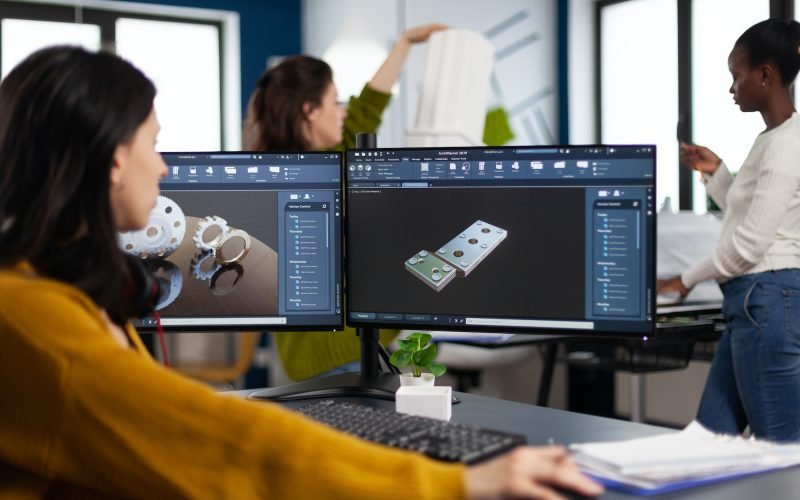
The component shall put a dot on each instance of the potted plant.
(417, 351)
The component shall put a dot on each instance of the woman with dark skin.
(755, 376)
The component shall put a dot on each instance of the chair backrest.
(217, 373)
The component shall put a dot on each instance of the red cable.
(162, 340)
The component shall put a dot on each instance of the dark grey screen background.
(536, 272)
(253, 211)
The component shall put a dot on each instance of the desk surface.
(541, 425)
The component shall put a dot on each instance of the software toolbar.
(482, 165)
(260, 168)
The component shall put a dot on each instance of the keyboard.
(438, 439)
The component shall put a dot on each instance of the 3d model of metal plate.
(433, 271)
(468, 249)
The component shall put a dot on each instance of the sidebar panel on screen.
(306, 256)
(617, 251)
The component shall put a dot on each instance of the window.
(182, 59)
(717, 122)
(21, 37)
(639, 95)
(640, 47)
(192, 55)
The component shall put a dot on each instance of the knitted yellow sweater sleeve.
(83, 414)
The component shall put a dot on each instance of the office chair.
(219, 373)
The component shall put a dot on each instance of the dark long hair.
(63, 112)
(275, 116)
(776, 41)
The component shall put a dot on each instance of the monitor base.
(346, 385)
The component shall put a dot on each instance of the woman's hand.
(422, 33)
(672, 285)
(699, 158)
(528, 472)
(390, 70)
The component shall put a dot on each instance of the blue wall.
(267, 27)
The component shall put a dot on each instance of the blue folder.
(668, 487)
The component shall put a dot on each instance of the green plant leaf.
(407, 344)
(425, 356)
(437, 368)
(400, 359)
(424, 338)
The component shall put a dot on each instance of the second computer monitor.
(514, 239)
(243, 241)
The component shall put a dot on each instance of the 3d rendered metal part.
(468, 249)
(204, 225)
(203, 259)
(214, 245)
(232, 234)
(170, 281)
(432, 270)
(163, 234)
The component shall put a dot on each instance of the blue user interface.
(525, 239)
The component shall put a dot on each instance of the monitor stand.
(370, 382)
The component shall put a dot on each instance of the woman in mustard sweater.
(295, 107)
(86, 413)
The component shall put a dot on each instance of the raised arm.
(772, 196)
(714, 172)
(390, 70)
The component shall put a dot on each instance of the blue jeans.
(755, 375)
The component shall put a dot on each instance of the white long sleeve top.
(761, 224)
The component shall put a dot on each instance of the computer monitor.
(241, 241)
(555, 239)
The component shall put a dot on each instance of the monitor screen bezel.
(429, 326)
(277, 327)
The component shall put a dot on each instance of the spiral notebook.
(677, 460)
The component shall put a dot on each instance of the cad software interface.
(245, 240)
(503, 239)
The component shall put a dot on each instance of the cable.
(385, 357)
(162, 340)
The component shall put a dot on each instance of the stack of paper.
(678, 460)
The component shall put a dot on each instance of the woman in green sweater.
(86, 413)
(295, 108)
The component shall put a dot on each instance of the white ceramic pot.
(426, 379)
